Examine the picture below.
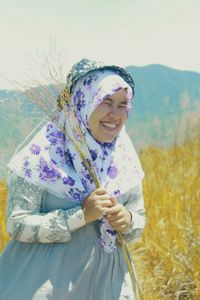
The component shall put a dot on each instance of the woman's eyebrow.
(107, 98)
(110, 99)
(124, 102)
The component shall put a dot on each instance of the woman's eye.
(108, 103)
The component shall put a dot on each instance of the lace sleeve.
(26, 222)
(134, 202)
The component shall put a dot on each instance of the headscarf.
(51, 161)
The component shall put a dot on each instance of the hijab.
(51, 160)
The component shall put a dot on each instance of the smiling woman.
(109, 117)
(70, 204)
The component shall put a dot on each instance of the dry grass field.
(167, 258)
(3, 234)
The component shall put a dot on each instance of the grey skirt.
(78, 269)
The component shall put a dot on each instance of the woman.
(63, 227)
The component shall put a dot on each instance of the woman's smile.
(110, 126)
(108, 118)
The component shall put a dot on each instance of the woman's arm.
(135, 204)
(26, 223)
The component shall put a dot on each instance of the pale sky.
(123, 32)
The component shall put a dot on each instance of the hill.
(166, 100)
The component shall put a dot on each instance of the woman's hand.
(96, 203)
(118, 217)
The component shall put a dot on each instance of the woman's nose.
(115, 112)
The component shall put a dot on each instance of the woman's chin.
(105, 139)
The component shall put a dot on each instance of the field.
(167, 258)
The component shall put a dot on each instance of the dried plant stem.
(128, 260)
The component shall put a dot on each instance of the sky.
(122, 32)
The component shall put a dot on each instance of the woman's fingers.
(118, 222)
(113, 210)
(114, 200)
(103, 197)
(106, 203)
(99, 191)
(114, 217)
(119, 225)
(118, 217)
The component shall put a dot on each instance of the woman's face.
(108, 118)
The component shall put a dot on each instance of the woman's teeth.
(110, 125)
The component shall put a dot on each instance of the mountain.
(160, 89)
(166, 104)
(166, 107)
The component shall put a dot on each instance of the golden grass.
(3, 234)
(167, 258)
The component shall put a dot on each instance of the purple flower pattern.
(49, 126)
(87, 83)
(68, 180)
(117, 193)
(79, 100)
(55, 137)
(76, 195)
(48, 172)
(112, 172)
(60, 151)
(93, 154)
(26, 168)
(35, 149)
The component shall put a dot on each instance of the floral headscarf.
(51, 161)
